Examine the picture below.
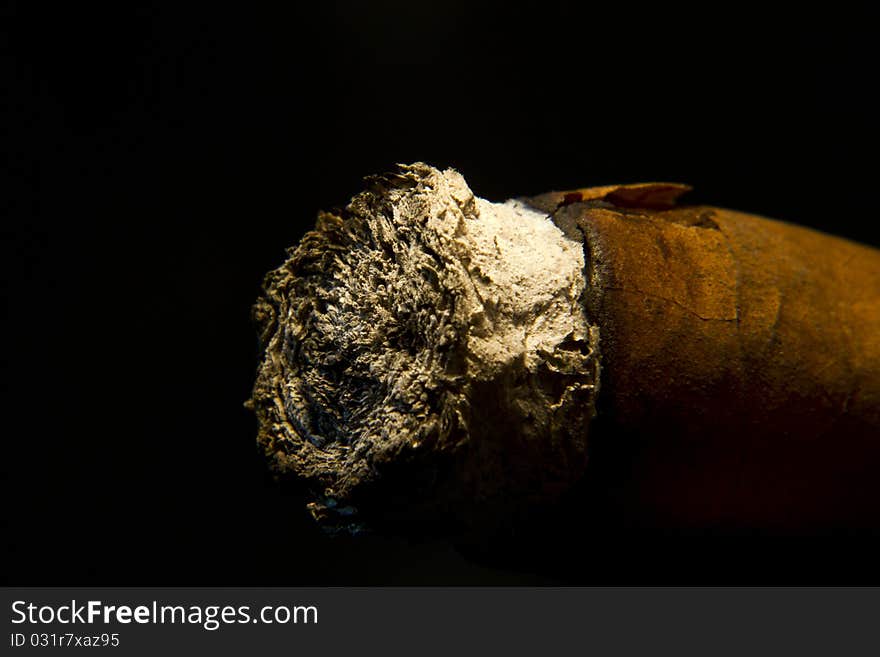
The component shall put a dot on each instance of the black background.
(159, 160)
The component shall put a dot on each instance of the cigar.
(430, 358)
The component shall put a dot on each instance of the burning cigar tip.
(427, 336)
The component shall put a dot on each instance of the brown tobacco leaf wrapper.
(432, 358)
(740, 364)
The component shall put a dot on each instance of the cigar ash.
(427, 354)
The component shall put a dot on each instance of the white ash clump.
(427, 351)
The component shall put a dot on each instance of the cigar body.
(740, 367)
